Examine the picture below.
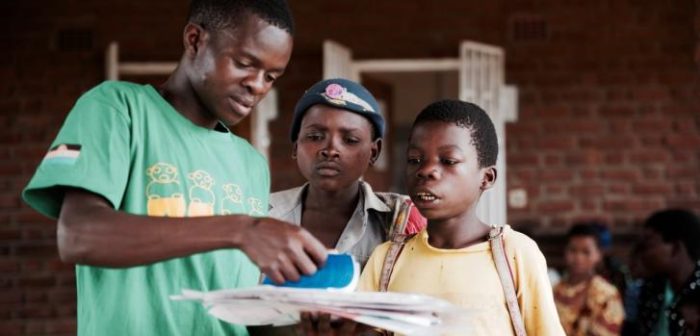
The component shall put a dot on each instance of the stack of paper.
(408, 314)
(330, 291)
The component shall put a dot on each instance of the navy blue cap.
(343, 94)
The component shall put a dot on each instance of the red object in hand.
(416, 221)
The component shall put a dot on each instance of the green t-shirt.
(126, 143)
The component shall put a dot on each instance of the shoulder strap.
(398, 239)
(401, 212)
(507, 282)
(397, 244)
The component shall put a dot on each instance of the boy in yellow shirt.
(451, 161)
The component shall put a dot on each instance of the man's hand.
(321, 325)
(282, 251)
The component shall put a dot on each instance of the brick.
(35, 296)
(523, 159)
(620, 175)
(618, 189)
(587, 191)
(34, 311)
(684, 141)
(62, 326)
(617, 111)
(40, 281)
(556, 206)
(679, 173)
(556, 143)
(631, 205)
(62, 296)
(648, 157)
(584, 157)
(8, 266)
(38, 250)
(11, 328)
(7, 235)
(651, 188)
(553, 160)
(10, 297)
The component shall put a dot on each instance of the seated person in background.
(337, 134)
(451, 162)
(587, 303)
(670, 248)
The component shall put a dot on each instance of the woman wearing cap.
(337, 134)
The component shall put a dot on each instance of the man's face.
(334, 147)
(442, 171)
(655, 253)
(235, 68)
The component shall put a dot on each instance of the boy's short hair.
(469, 116)
(677, 225)
(584, 230)
(217, 15)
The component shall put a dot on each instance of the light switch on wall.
(517, 198)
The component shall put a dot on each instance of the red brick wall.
(608, 127)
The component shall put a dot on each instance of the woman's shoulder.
(603, 287)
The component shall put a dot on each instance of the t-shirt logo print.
(202, 198)
(232, 203)
(163, 191)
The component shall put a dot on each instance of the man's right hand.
(282, 251)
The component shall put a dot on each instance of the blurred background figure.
(689, 307)
(587, 303)
(669, 251)
(611, 268)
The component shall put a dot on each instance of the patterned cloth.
(692, 285)
(593, 307)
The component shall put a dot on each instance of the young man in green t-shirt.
(134, 164)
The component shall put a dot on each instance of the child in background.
(451, 161)
(587, 303)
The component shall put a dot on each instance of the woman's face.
(582, 255)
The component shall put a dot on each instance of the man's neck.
(178, 91)
(681, 274)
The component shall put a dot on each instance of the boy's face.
(443, 175)
(334, 147)
(233, 69)
(582, 255)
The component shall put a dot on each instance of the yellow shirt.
(468, 278)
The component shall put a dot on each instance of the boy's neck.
(457, 232)
(344, 199)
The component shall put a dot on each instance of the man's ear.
(294, 150)
(488, 177)
(376, 150)
(194, 37)
(678, 250)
